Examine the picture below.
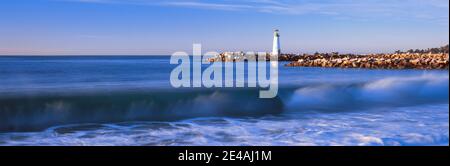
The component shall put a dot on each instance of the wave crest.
(393, 91)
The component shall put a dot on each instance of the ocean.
(128, 100)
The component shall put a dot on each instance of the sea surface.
(128, 100)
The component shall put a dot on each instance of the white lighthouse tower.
(276, 43)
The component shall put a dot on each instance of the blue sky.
(157, 27)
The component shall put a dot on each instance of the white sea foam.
(416, 125)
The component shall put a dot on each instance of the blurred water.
(129, 101)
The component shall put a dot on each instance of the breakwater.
(375, 61)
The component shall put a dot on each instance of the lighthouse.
(276, 43)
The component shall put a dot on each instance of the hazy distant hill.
(443, 49)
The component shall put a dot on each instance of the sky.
(162, 27)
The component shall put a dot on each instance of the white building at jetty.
(241, 56)
(276, 43)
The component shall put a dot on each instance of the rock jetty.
(431, 58)
(375, 61)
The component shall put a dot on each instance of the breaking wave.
(25, 112)
(35, 112)
(387, 92)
